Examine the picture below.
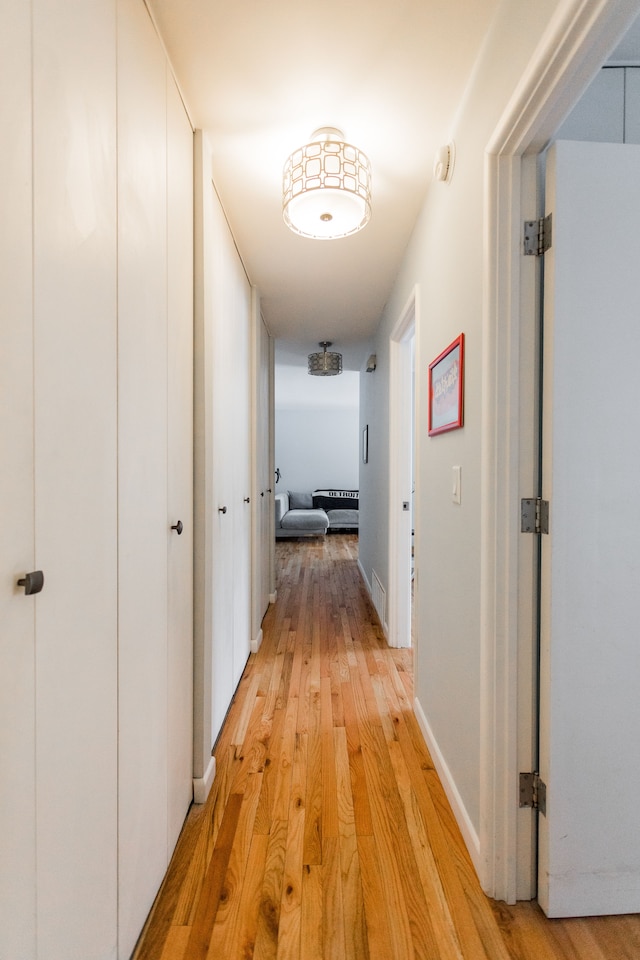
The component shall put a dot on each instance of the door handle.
(178, 527)
(247, 499)
(32, 582)
(222, 509)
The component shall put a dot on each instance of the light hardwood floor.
(327, 834)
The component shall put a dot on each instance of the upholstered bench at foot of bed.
(343, 519)
(305, 521)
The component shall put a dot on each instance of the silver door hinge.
(537, 236)
(533, 792)
(534, 515)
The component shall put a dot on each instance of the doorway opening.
(575, 48)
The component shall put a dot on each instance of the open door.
(401, 456)
(589, 842)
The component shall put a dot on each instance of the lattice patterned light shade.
(325, 364)
(326, 187)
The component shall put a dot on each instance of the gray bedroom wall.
(609, 110)
(316, 420)
(317, 448)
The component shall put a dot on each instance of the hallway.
(327, 834)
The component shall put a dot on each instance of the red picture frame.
(446, 389)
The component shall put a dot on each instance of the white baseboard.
(364, 576)
(467, 829)
(255, 644)
(273, 596)
(202, 786)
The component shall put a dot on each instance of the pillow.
(300, 501)
(336, 499)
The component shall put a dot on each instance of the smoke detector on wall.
(443, 162)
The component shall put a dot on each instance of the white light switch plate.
(456, 491)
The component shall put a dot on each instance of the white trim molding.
(256, 642)
(202, 785)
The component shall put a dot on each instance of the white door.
(142, 470)
(240, 456)
(401, 419)
(180, 462)
(58, 696)
(17, 547)
(589, 846)
(225, 500)
(75, 444)
(262, 478)
(223, 478)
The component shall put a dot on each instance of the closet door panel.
(142, 468)
(262, 473)
(17, 612)
(224, 438)
(240, 457)
(75, 476)
(231, 475)
(180, 461)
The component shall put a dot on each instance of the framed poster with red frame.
(446, 379)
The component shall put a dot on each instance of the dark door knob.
(247, 499)
(222, 509)
(178, 527)
(32, 582)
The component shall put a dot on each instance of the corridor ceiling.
(259, 76)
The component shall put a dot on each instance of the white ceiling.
(259, 76)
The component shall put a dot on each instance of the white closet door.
(240, 457)
(17, 555)
(75, 369)
(142, 468)
(180, 461)
(231, 479)
(262, 471)
(589, 843)
(225, 502)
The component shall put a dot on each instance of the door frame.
(580, 36)
(401, 420)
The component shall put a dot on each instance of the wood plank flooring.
(327, 834)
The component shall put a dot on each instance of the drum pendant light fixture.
(325, 364)
(326, 187)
